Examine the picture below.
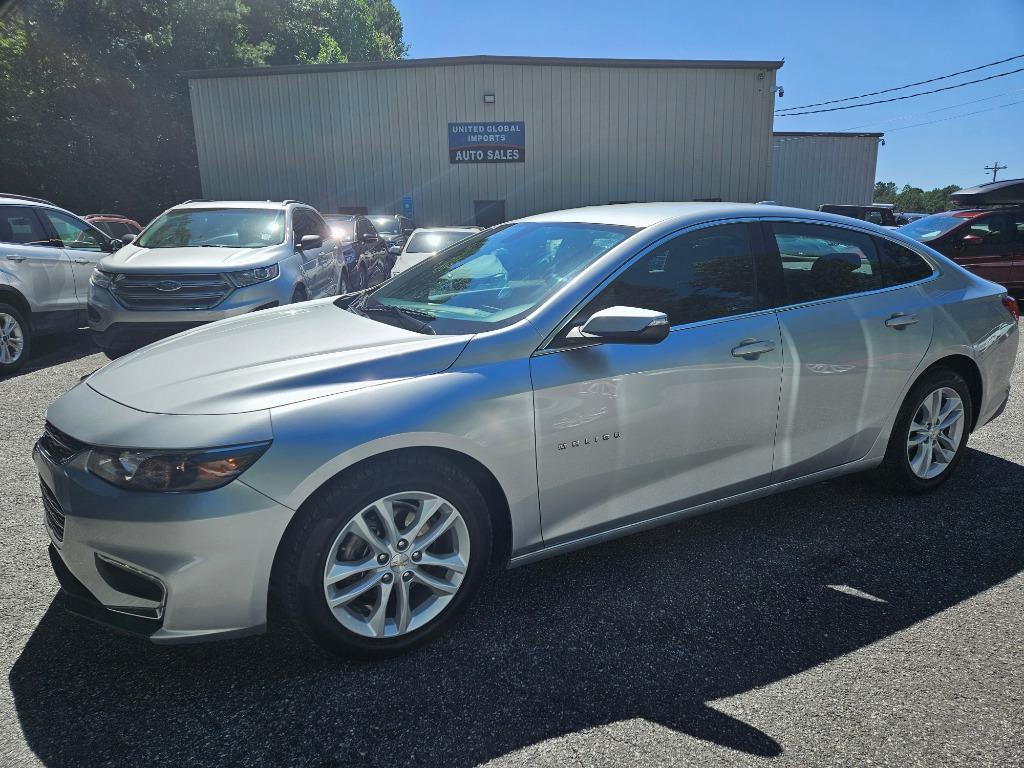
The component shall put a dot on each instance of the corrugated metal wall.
(594, 134)
(810, 170)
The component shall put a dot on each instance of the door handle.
(15, 257)
(751, 349)
(901, 320)
(81, 261)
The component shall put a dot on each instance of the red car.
(114, 224)
(987, 241)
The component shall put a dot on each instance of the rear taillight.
(1011, 306)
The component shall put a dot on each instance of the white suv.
(208, 260)
(46, 257)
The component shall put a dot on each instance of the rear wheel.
(930, 433)
(299, 294)
(385, 558)
(15, 339)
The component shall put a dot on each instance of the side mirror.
(626, 325)
(369, 237)
(310, 241)
(395, 250)
(115, 244)
(125, 239)
(971, 240)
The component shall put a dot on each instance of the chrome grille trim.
(59, 447)
(196, 291)
(54, 514)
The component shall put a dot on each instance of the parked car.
(395, 229)
(46, 257)
(366, 459)
(206, 260)
(987, 241)
(426, 241)
(365, 259)
(905, 217)
(114, 224)
(882, 215)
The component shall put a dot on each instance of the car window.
(387, 225)
(875, 217)
(119, 229)
(20, 225)
(74, 235)
(1017, 227)
(343, 229)
(822, 262)
(426, 241)
(930, 227)
(365, 227)
(494, 278)
(302, 224)
(104, 226)
(900, 264)
(994, 230)
(700, 275)
(319, 225)
(214, 228)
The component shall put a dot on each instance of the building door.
(488, 213)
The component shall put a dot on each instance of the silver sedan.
(553, 382)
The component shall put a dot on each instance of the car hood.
(131, 258)
(269, 359)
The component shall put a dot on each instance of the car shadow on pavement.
(656, 626)
(48, 351)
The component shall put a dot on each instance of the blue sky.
(832, 50)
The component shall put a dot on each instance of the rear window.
(20, 225)
(931, 227)
(900, 264)
(343, 229)
(387, 225)
(432, 242)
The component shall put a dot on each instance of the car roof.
(268, 204)
(339, 216)
(645, 215)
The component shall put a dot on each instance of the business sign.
(495, 142)
(407, 206)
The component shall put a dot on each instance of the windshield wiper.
(413, 319)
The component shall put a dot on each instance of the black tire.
(302, 557)
(115, 352)
(299, 294)
(23, 331)
(895, 471)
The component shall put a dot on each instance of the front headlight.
(173, 471)
(101, 279)
(253, 276)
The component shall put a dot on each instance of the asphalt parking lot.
(834, 625)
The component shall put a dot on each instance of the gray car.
(541, 386)
(207, 260)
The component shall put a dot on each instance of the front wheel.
(15, 339)
(386, 557)
(930, 433)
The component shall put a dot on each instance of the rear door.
(853, 331)
(37, 267)
(626, 432)
(994, 255)
(84, 246)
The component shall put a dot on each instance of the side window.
(875, 217)
(994, 230)
(822, 262)
(698, 276)
(1017, 227)
(320, 226)
(75, 235)
(900, 264)
(364, 227)
(21, 226)
(302, 224)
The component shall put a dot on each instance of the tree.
(96, 115)
(914, 198)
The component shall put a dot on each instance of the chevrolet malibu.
(550, 383)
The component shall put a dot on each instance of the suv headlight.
(253, 276)
(173, 471)
(101, 279)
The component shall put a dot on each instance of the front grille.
(58, 446)
(54, 513)
(157, 292)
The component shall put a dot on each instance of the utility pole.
(995, 168)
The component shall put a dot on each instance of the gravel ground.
(829, 625)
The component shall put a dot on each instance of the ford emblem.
(168, 285)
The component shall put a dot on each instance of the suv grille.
(59, 447)
(54, 513)
(156, 292)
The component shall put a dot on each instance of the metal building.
(811, 169)
(480, 139)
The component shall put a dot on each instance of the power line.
(902, 87)
(912, 115)
(954, 117)
(902, 98)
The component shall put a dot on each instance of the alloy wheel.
(936, 432)
(397, 564)
(12, 339)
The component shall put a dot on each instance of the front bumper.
(171, 567)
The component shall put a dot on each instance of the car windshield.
(386, 225)
(490, 279)
(215, 228)
(343, 229)
(931, 227)
(432, 242)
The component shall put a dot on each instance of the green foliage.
(914, 199)
(96, 115)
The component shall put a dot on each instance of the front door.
(304, 223)
(626, 432)
(991, 253)
(38, 266)
(488, 213)
(84, 246)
